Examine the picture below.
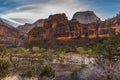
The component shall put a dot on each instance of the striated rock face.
(58, 27)
(54, 26)
(9, 36)
(24, 29)
(86, 17)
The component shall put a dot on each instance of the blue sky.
(28, 11)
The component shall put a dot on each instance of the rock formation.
(58, 27)
(54, 26)
(9, 36)
(86, 17)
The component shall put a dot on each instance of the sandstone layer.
(58, 27)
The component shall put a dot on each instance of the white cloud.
(35, 11)
(11, 20)
(32, 12)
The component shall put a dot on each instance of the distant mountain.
(86, 17)
(27, 27)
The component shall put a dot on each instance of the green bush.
(47, 70)
(4, 68)
(27, 73)
(83, 50)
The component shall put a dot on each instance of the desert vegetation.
(98, 60)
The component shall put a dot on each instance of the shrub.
(4, 68)
(27, 73)
(47, 70)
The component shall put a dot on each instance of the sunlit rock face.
(58, 27)
(86, 17)
(55, 27)
(9, 36)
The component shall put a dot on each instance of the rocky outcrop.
(86, 17)
(54, 26)
(9, 36)
(58, 27)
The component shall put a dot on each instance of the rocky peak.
(59, 18)
(54, 20)
(86, 17)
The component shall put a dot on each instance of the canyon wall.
(58, 27)
(9, 36)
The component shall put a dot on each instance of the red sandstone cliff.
(60, 28)
(9, 36)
